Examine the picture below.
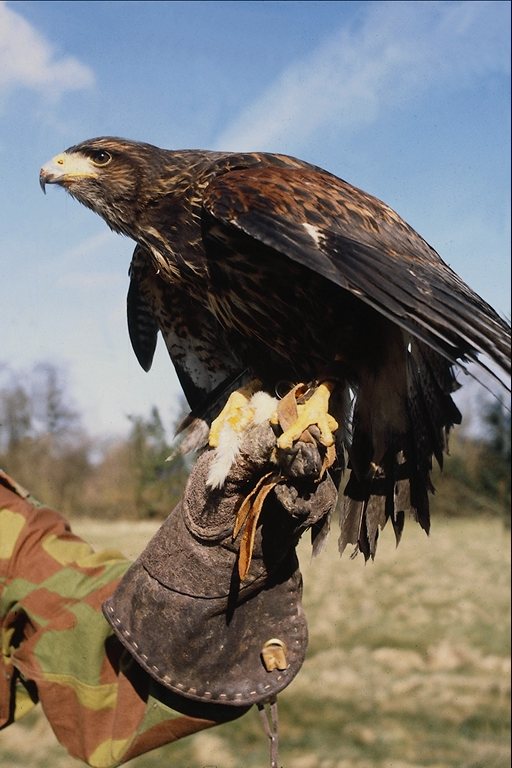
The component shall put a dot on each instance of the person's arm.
(58, 648)
(186, 644)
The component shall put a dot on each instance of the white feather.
(264, 407)
(260, 408)
(224, 456)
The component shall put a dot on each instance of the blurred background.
(409, 101)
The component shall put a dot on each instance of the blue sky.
(408, 100)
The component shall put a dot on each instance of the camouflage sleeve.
(57, 647)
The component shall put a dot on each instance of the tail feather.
(408, 408)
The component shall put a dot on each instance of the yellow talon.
(313, 411)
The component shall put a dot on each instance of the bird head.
(108, 175)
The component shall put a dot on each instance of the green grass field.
(408, 663)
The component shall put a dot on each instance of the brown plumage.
(263, 264)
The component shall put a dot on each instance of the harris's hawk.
(265, 264)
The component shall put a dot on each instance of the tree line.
(45, 447)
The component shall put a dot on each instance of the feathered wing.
(205, 363)
(404, 410)
(362, 245)
(142, 325)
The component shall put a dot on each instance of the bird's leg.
(236, 414)
(246, 407)
(313, 412)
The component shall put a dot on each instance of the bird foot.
(236, 414)
(313, 412)
(245, 407)
(308, 424)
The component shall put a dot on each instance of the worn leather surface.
(181, 609)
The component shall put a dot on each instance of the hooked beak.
(44, 179)
(64, 169)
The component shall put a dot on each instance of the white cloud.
(397, 51)
(28, 60)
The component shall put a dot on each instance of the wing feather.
(360, 244)
(142, 326)
(205, 363)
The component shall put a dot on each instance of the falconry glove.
(206, 620)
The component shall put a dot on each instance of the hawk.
(264, 266)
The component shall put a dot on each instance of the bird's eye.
(100, 157)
